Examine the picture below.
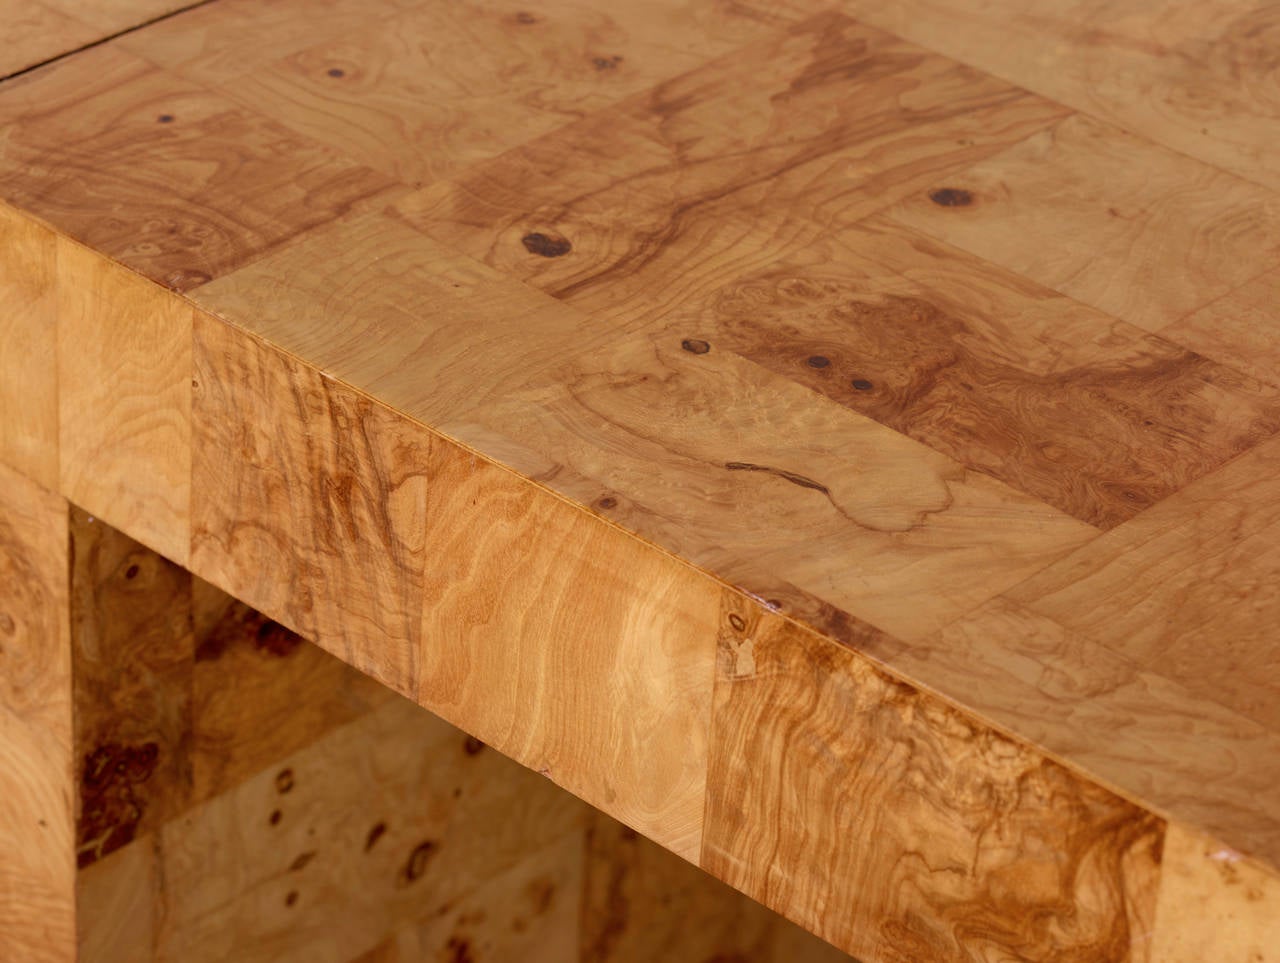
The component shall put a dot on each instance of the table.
(838, 440)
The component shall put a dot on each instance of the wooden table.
(839, 440)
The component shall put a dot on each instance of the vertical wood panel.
(133, 650)
(124, 376)
(28, 361)
(37, 868)
(566, 644)
(899, 829)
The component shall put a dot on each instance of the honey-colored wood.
(133, 652)
(640, 904)
(1238, 328)
(970, 847)
(511, 351)
(1194, 77)
(124, 397)
(368, 829)
(37, 797)
(1214, 904)
(1141, 232)
(479, 618)
(29, 365)
(1155, 589)
(36, 31)
(184, 220)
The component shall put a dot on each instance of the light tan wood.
(1130, 725)
(930, 340)
(779, 130)
(116, 16)
(1238, 328)
(1156, 589)
(479, 618)
(969, 845)
(115, 918)
(1192, 77)
(36, 31)
(201, 215)
(1214, 904)
(37, 797)
(376, 92)
(366, 829)
(28, 367)
(124, 397)
(259, 694)
(528, 912)
(310, 885)
(640, 904)
(1141, 232)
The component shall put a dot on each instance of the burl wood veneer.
(837, 439)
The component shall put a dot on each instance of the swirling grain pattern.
(836, 438)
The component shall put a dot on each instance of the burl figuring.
(467, 467)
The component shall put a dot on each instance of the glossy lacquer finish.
(840, 440)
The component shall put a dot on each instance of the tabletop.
(840, 439)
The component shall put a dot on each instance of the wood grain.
(1127, 724)
(37, 819)
(116, 905)
(642, 904)
(1187, 589)
(29, 365)
(703, 451)
(1214, 904)
(379, 93)
(1238, 328)
(260, 693)
(782, 126)
(961, 843)
(406, 319)
(114, 16)
(1196, 78)
(231, 868)
(133, 650)
(478, 615)
(36, 31)
(1141, 232)
(920, 337)
(171, 179)
(124, 399)
(528, 912)
(929, 341)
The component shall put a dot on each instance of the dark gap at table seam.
(107, 39)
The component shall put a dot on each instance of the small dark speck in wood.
(694, 346)
(417, 862)
(951, 197)
(544, 245)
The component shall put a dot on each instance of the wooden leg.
(183, 779)
(37, 869)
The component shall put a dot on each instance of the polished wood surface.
(836, 439)
(244, 795)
